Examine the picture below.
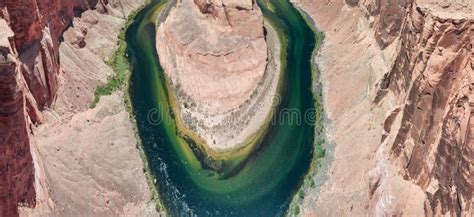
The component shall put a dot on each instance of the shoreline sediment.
(151, 179)
(322, 150)
(121, 66)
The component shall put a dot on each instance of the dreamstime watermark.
(284, 116)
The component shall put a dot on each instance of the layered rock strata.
(30, 71)
(429, 138)
(38, 74)
(215, 54)
(16, 165)
(406, 114)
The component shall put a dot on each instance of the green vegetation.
(117, 81)
(119, 63)
(319, 152)
(297, 210)
(120, 81)
(207, 192)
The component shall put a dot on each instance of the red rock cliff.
(30, 32)
(429, 134)
(398, 77)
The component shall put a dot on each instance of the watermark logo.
(284, 116)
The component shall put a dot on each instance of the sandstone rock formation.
(215, 51)
(410, 75)
(431, 81)
(215, 54)
(30, 82)
(38, 26)
(31, 74)
(90, 165)
(16, 165)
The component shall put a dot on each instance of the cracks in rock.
(227, 17)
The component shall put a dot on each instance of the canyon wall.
(45, 90)
(428, 134)
(16, 165)
(30, 71)
(410, 72)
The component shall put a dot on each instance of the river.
(269, 177)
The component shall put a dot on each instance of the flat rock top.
(215, 28)
(214, 50)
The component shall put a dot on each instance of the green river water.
(269, 177)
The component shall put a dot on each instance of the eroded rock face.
(215, 54)
(426, 144)
(431, 143)
(409, 75)
(386, 17)
(38, 26)
(29, 70)
(16, 166)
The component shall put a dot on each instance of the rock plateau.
(215, 54)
